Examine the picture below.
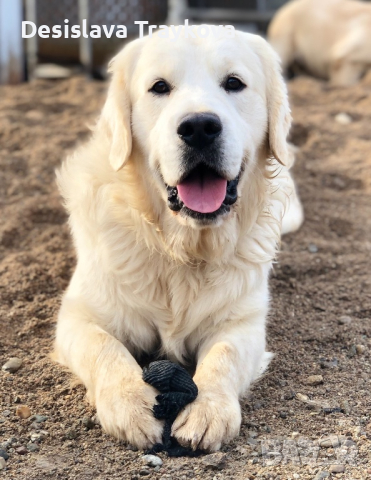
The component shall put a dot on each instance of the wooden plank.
(11, 44)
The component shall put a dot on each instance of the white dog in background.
(176, 206)
(330, 38)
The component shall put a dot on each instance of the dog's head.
(199, 110)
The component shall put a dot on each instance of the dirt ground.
(322, 275)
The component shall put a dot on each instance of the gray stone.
(216, 461)
(39, 418)
(337, 468)
(331, 441)
(12, 365)
(71, 434)
(312, 248)
(32, 447)
(322, 475)
(3, 454)
(345, 320)
(88, 423)
(6, 413)
(2, 463)
(352, 351)
(152, 460)
(344, 404)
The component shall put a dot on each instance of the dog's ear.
(115, 119)
(279, 114)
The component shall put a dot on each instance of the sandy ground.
(322, 275)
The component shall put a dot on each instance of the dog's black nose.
(200, 130)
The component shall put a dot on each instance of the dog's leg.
(110, 373)
(294, 215)
(226, 366)
(345, 72)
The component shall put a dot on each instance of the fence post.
(31, 43)
(86, 47)
(11, 44)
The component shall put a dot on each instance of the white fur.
(148, 280)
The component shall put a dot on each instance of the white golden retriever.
(331, 38)
(176, 207)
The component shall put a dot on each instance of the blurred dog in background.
(329, 38)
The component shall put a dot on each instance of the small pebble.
(343, 118)
(295, 434)
(3, 454)
(345, 320)
(302, 397)
(360, 349)
(352, 351)
(88, 423)
(152, 460)
(322, 475)
(216, 461)
(312, 248)
(337, 468)
(38, 437)
(314, 380)
(329, 363)
(12, 365)
(344, 404)
(22, 411)
(296, 475)
(331, 441)
(2, 463)
(6, 413)
(32, 447)
(21, 450)
(40, 418)
(358, 431)
(283, 415)
(71, 434)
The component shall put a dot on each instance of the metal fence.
(91, 52)
(99, 12)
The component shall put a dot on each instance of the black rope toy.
(177, 389)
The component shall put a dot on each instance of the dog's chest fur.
(145, 298)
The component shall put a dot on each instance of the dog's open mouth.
(203, 193)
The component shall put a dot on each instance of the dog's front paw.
(211, 420)
(125, 411)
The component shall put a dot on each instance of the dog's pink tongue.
(203, 192)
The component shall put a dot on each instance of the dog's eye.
(160, 88)
(233, 84)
